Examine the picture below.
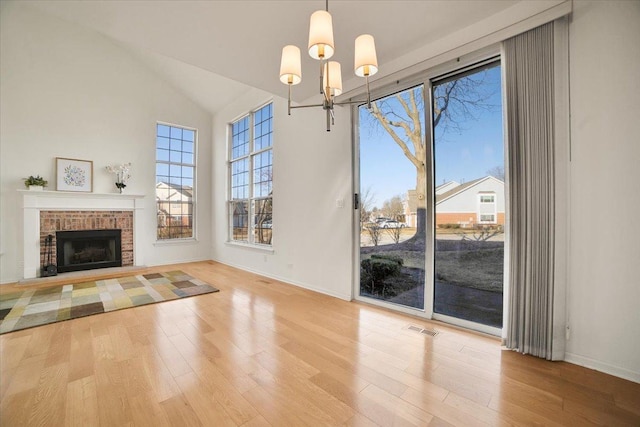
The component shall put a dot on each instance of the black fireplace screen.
(88, 249)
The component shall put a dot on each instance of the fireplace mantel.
(35, 201)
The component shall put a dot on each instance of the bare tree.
(497, 172)
(483, 233)
(375, 233)
(393, 207)
(366, 205)
(401, 117)
(395, 233)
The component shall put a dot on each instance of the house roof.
(445, 185)
(462, 187)
(184, 190)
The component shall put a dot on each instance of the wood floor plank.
(208, 410)
(179, 412)
(82, 403)
(263, 353)
(400, 407)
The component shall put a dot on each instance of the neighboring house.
(480, 201)
(443, 188)
(175, 202)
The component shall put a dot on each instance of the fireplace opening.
(88, 249)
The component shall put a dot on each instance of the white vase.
(36, 188)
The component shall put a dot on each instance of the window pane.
(175, 144)
(162, 155)
(262, 220)
(188, 135)
(187, 171)
(162, 142)
(175, 156)
(187, 147)
(176, 132)
(240, 221)
(163, 130)
(187, 158)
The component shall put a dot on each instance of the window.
(251, 177)
(487, 218)
(175, 173)
(487, 208)
(487, 199)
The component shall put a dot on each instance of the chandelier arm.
(306, 106)
(329, 120)
(366, 78)
(321, 77)
(361, 101)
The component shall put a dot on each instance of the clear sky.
(460, 154)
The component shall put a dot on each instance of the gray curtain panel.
(529, 71)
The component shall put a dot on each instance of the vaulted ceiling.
(215, 50)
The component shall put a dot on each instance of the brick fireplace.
(53, 221)
(46, 212)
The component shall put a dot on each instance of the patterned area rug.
(35, 307)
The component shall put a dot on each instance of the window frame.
(251, 200)
(194, 166)
(482, 206)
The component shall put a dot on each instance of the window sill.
(176, 242)
(259, 248)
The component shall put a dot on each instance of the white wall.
(69, 92)
(604, 287)
(312, 169)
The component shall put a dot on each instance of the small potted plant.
(35, 183)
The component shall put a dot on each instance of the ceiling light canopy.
(321, 47)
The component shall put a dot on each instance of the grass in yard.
(480, 268)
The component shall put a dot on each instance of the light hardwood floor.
(264, 353)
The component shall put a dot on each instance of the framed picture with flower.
(74, 175)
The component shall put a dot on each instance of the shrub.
(393, 258)
(374, 271)
(448, 226)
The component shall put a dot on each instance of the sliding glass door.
(392, 200)
(469, 196)
(431, 192)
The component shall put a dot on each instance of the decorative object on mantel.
(123, 174)
(35, 183)
(74, 175)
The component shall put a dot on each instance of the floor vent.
(430, 332)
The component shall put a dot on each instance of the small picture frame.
(74, 175)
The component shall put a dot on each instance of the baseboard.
(181, 261)
(616, 371)
(287, 281)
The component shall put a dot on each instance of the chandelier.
(321, 47)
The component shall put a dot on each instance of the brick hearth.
(52, 221)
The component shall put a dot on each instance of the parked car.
(391, 223)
